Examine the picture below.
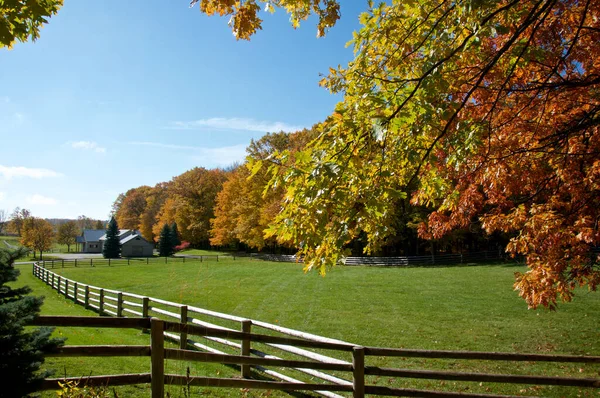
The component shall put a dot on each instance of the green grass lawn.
(55, 304)
(200, 252)
(466, 308)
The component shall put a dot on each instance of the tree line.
(40, 234)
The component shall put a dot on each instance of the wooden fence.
(96, 262)
(283, 340)
(357, 369)
(402, 261)
(429, 260)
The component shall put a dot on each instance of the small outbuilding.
(132, 242)
(136, 246)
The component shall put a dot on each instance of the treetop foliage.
(244, 20)
(483, 111)
(23, 19)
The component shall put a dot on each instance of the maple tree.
(17, 220)
(67, 234)
(37, 234)
(23, 19)
(244, 14)
(155, 198)
(244, 208)
(132, 207)
(484, 112)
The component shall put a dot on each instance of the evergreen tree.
(165, 242)
(112, 245)
(175, 235)
(21, 351)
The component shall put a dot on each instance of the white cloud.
(235, 123)
(87, 145)
(40, 200)
(222, 156)
(9, 172)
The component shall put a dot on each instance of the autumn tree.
(245, 19)
(112, 245)
(85, 222)
(17, 220)
(191, 204)
(22, 19)
(37, 235)
(155, 198)
(132, 207)
(244, 208)
(484, 111)
(67, 234)
(99, 225)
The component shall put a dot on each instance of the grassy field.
(200, 252)
(55, 304)
(470, 308)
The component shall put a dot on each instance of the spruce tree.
(175, 235)
(112, 245)
(21, 351)
(165, 242)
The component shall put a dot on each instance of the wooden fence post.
(87, 297)
(245, 350)
(66, 288)
(101, 302)
(157, 352)
(183, 336)
(52, 284)
(58, 284)
(358, 373)
(147, 260)
(145, 305)
(76, 262)
(120, 304)
(75, 292)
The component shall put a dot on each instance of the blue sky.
(117, 94)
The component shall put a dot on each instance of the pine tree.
(112, 245)
(165, 241)
(21, 351)
(175, 235)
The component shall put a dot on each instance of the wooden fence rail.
(158, 379)
(184, 328)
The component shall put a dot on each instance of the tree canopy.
(23, 19)
(245, 21)
(482, 111)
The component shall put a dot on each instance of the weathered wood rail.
(401, 261)
(250, 347)
(158, 353)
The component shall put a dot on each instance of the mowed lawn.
(463, 307)
(55, 304)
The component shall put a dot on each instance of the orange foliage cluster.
(536, 169)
